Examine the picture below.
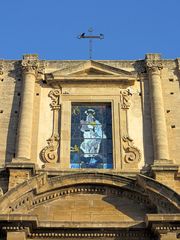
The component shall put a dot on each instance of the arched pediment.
(40, 190)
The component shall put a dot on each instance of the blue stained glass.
(91, 136)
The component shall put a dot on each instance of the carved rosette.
(154, 66)
(132, 153)
(49, 154)
(125, 98)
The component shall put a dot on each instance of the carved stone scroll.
(49, 154)
(132, 153)
(125, 98)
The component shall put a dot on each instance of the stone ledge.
(62, 172)
(163, 218)
(21, 165)
(32, 220)
(164, 165)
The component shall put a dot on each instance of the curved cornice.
(159, 193)
(41, 189)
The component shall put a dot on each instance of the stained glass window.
(91, 136)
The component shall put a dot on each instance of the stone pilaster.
(160, 142)
(29, 69)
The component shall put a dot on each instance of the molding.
(166, 199)
(49, 154)
(91, 72)
(18, 163)
(163, 223)
(164, 165)
(40, 189)
(43, 229)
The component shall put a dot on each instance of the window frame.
(65, 129)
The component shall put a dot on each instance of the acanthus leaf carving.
(132, 153)
(34, 66)
(49, 154)
(29, 65)
(154, 65)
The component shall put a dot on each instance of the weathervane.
(90, 37)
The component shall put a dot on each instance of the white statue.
(92, 134)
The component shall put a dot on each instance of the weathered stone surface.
(41, 197)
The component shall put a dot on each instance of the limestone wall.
(139, 113)
(10, 96)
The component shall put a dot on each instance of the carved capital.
(154, 66)
(29, 66)
(125, 98)
(132, 153)
(54, 95)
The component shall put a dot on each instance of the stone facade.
(132, 195)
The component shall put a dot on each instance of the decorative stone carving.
(29, 65)
(54, 95)
(49, 154)
(132, 153)
(34, 66)
(125, 98)
(154, 65)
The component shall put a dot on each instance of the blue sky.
(50, 28)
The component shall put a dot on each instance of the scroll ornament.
(54, 95)
(49, 154)
(125, 98)
(132, 153)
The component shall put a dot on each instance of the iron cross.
(90, 37)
